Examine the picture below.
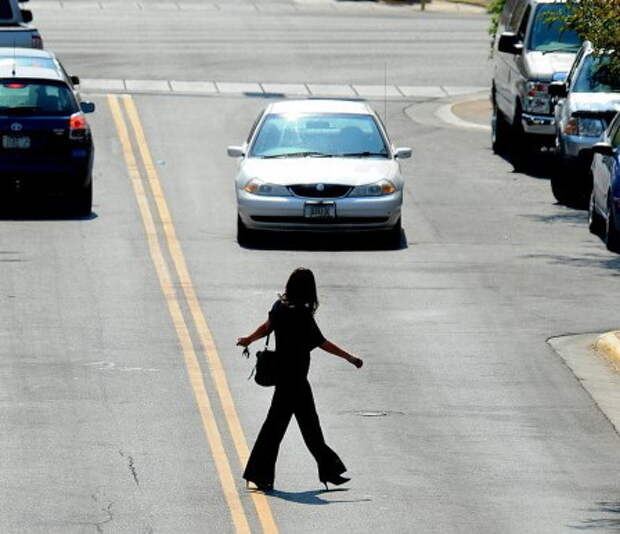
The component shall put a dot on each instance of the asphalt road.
(125, 406)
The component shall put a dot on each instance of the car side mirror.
(26, 15)
(604, 149)
(235, 151)
(403, 153)
(509, 43)
(558, 89)
(87, 107)
(75, 80)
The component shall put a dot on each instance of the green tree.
(597, 21)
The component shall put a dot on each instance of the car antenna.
(14, 56)
(385, 94)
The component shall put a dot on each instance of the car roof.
(320, 106)
(42, 72)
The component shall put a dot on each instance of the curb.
(446, 114)
(608, 345)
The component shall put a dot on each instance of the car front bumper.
(287, 213)
(577, 146)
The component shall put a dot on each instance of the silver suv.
(529, 53)
(589, 100)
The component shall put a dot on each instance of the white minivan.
(529, 53)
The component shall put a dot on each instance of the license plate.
(15, 141)
(320, 210)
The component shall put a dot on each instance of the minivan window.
(26, 97)
(595, 77)
(551, 37)
(6, 12)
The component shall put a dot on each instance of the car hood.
(594, 102)
(346, 171)
(542, 66)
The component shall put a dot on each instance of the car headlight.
(257, 187)
(538, 99)
(584, 126)
(382, 187)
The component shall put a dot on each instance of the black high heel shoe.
(336, 480)
(261, 486)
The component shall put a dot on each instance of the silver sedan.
(319, 165)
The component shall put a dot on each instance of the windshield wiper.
(306, 154)
(566, 48)
(362, 154)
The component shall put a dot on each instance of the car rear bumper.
(287, 213)
(538, 124)
(60, 176)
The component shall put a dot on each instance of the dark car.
(46, 147)
(604, 212)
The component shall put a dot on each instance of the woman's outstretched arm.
(330, 347)
(261, 331)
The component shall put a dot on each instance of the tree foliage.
(495, 9)
(597, 21)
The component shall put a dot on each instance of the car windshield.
(595, 77)
(319, 135)
(550, 36)
(19, 97)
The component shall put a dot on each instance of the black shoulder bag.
(265, 370)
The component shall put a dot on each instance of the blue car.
(604, 210)
(46, 146)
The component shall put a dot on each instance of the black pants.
(291, 398)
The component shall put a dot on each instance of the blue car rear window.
(18, 97)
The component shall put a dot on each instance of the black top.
(296, 335)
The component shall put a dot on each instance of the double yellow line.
(121, 108)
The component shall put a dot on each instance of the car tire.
(82, 201)
(612, 236)
(595, 221)
(244, 234)
(561, 185)
(500, 131)
(521, 145)
(395, 234)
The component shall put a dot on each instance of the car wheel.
(82, 201)
(612, 236)
(561, 185)
(595, 221)
(244, 234)
(500, 131)
(521, 145)
(395, 234)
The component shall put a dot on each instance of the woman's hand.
(358, 362)
(243, 341)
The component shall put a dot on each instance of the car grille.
(320, 190)
(319, 221)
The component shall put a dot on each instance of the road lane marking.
(191, 359)
(204, 332)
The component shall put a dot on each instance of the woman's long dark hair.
(301, 289)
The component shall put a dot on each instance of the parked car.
(529, 53)
(319, 165)
(46, 147)
(14, 30)
(588, 101)
(604, 210)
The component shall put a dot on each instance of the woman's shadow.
(311, 497)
